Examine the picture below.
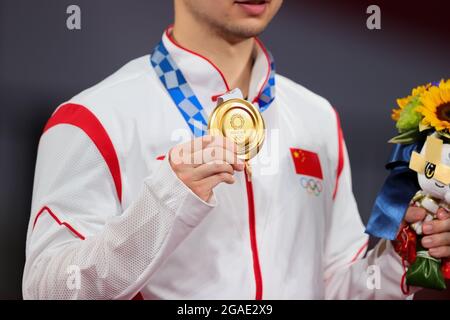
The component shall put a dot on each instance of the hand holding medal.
(236, 134)
(240, 121)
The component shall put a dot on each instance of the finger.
(213, 142)
(204, 141)
(442, 214)
(414, 214)
(196, 144)
(209, 169)
(436, 240)
(189, 153)
(218, 154)
(182, 153)
(196, 147)
(212, 181)
(223, 142)
(440, 252)
(436, 226)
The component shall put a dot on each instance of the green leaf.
(407, 137)
(425, 273)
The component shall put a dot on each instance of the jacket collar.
(208, 82)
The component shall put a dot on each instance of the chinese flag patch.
(307, 163)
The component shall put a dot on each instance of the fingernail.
(427, 228)
(427, 241)
(442, 215)
(433, 251)
(420, 214)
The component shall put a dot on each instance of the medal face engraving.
(240, 121)
(239, 126)
(237, 121)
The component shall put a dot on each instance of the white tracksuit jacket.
(111, 220)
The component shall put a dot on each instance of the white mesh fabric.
(73, 179)
(111, 261)
(121, 251)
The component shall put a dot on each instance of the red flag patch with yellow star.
(307, 163)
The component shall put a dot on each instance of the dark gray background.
(323, 45)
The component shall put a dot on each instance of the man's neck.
(234, 59)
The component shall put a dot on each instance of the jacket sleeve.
(80, 243)
(350, 272)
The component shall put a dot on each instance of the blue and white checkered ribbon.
(179, 90)
(268, 93)
(183, 96)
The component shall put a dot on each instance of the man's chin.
(245, 30)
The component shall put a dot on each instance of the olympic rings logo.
(313, 186)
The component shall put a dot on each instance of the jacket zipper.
(253, 242)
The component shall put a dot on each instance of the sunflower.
(396, 114)
(435, 106)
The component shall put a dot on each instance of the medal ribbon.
(184, 97)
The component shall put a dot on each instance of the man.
(120, 211)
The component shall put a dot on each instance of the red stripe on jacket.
(80, 117)
(340, 164)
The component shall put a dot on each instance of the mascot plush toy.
(433, 168)
(419, 176)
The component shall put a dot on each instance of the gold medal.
(241, 121)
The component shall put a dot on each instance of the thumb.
(414, 214)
